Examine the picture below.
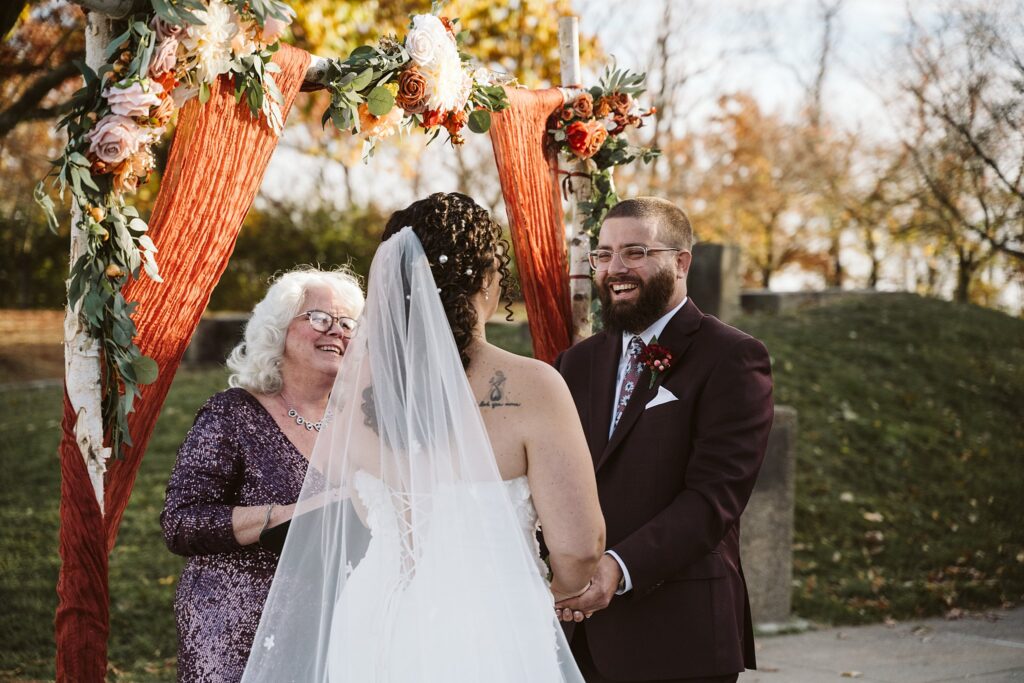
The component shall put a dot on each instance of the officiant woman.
(241, 467)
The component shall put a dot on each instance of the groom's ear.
(683, 261)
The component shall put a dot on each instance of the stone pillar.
(714, 279)
(766, 529)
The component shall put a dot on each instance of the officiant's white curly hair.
(255, 363)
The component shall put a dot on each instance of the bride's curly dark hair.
(461, 241)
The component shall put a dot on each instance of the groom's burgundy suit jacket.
(673, 480)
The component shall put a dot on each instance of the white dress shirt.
(647, 335)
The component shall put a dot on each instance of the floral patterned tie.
(629, 380)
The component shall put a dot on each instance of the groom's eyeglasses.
(322, 322)
(631, 257)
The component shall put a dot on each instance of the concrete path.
(987, 648)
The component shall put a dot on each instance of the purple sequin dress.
(234, 455)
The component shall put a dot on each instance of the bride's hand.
(598, 595)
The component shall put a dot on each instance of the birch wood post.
(82, 373)
(579, 241)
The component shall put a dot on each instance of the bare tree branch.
(26, 107)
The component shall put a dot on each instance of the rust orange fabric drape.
(215, 168)
(529, 183)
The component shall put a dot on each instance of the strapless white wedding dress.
(446, 622)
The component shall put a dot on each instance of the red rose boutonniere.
(657, 359)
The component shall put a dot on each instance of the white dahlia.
(448, 84)
(208, 45)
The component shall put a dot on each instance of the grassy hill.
(910, 464)
(910, 473)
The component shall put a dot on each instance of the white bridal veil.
(408, 560)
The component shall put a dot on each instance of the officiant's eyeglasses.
(321, 321)
(631, 257)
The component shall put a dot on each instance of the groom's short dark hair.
(673, 224)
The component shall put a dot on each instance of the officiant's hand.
(602, 590)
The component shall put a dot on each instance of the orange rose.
(585, 138)
(133, 171)
(583, 105)
(602, 108)
(567, 113)
(412, 91)
(621, 103)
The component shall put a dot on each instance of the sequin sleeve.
(196, 518)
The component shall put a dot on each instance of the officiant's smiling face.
(636, 292)
(311, 350)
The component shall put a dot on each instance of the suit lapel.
(604, 366)
(677, 338)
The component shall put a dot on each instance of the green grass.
(143, 574)
(909, 408)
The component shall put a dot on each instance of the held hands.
(600, 592)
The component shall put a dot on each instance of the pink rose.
(134, 100)
(272, 30)
(165, 57)
(114, 139)
(164, 30)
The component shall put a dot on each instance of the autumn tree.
(750, 190)
(964, 136)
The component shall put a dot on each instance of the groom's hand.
(601, 591)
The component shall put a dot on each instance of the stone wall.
(765, 301)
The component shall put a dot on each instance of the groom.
(677, 407)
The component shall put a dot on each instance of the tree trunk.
(966, 267)
(869, 242)
(836, 274)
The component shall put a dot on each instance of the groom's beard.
(650, 304)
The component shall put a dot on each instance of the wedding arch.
(217, 160)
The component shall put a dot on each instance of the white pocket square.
(664, 396)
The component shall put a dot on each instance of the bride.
(413, 554)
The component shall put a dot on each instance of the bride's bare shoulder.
(533, 378)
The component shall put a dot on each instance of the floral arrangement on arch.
(164, 58)
(590, 128)
(423, 81)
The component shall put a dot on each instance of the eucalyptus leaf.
(120, 335)
(115, 45)
(362, 52)
(480, 121)
(380, 101)
(87, 180)
(363, 79)
(44, 201)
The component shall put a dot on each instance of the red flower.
(432, 117)
(656, 358)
